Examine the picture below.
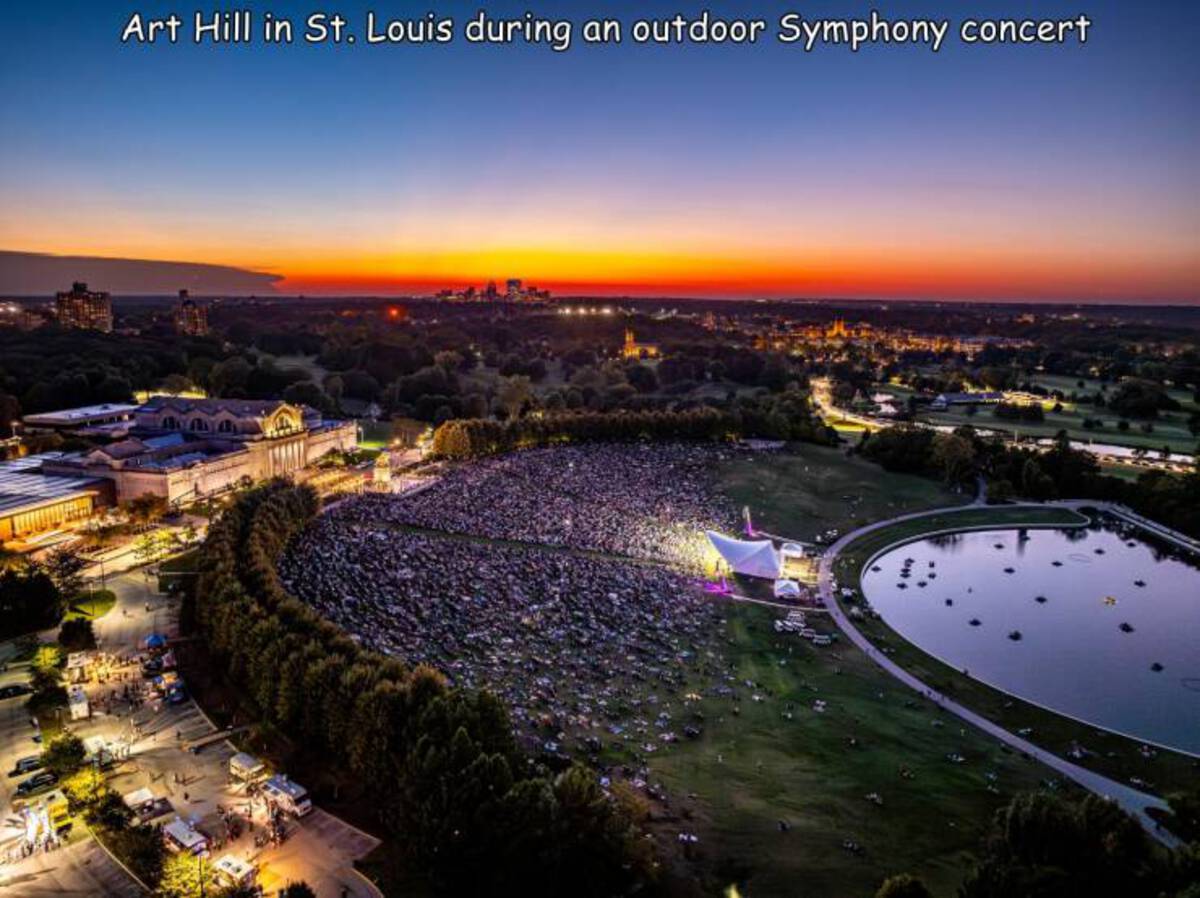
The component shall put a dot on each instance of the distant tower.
(191, 319)
(635, 350)
(84, 308)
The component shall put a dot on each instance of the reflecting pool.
(1094, 623)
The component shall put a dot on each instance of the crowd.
(515, 594)
(583, 650)
(644, 501)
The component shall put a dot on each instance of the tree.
(187, 876)
(298, 890)
(512, 395)
(77, 635)
(642, 378)
(146, 508)
(903, 886)
(147, 548)
(29, 600)
(229, 378)
(66, 570)
(1046, 846)
(1184, 819)
(85, 789)
(10, 412)
(954, 456)
(64, 755)
(175, 384)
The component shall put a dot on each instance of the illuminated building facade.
(632, 349)
(84, 308)
(191, 318)
(188, 449)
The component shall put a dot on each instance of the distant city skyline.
(1026, 174)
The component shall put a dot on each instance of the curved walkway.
(1130, 799)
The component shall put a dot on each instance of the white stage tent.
(754, 558)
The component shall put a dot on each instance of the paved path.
(1127, 797)
(82, 869)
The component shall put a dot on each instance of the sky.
(1031, 173)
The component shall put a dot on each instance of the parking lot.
(194, 787)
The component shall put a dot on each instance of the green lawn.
(750, 770)
(754, 767)
(1169, 430)
(1069, 385)
(1112, 755)
(811, 489)
(91, 606)
(375, 434)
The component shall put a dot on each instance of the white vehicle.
(78, 702)
(245, 768)
(98, 752)
(290, 796)
(181, 836)
(234, 871)
(821, 639)
(77, 666)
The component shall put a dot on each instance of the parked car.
(27, 765)
(14, 689)
(38, 781)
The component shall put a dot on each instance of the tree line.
(774, 418)
(475, 814)
(1011, 471)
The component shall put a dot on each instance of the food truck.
(77, 667)
(235, 872)
(245, 768)
(78, 701)
(97, 752)
(290, 796)
(181, 836)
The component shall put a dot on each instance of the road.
(822, 398)
(1132, 800)
(320, 848)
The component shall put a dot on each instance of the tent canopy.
(787, 589)
(754, 558)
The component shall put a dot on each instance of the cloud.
(35, 274)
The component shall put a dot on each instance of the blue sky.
(1034, 172)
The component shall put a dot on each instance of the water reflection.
(1097, 623)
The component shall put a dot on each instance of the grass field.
(762, 762)
(1170, 429)
(813, 489)
(1114, 756)
(91, 605)
(757, 766)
